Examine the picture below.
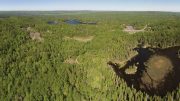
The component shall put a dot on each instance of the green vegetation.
(32, 70)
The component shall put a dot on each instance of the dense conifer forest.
(59, 61)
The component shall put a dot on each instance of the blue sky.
(114, 5)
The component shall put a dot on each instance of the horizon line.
(93, 10)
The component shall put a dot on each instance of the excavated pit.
(158, 70)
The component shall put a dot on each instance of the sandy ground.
(34, 35)
(131, 30)
(71, 61)
(80, 38)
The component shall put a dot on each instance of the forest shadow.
(158, 70)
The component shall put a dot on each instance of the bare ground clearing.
(34, 35)
(71, 61)
(80, 38)
(131, 30)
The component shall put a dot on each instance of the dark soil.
(158, 70)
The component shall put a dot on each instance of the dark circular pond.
(158, 70)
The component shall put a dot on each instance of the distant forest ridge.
(34, 13)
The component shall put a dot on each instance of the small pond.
(73, 22)
(76, 22)
(52, 22)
